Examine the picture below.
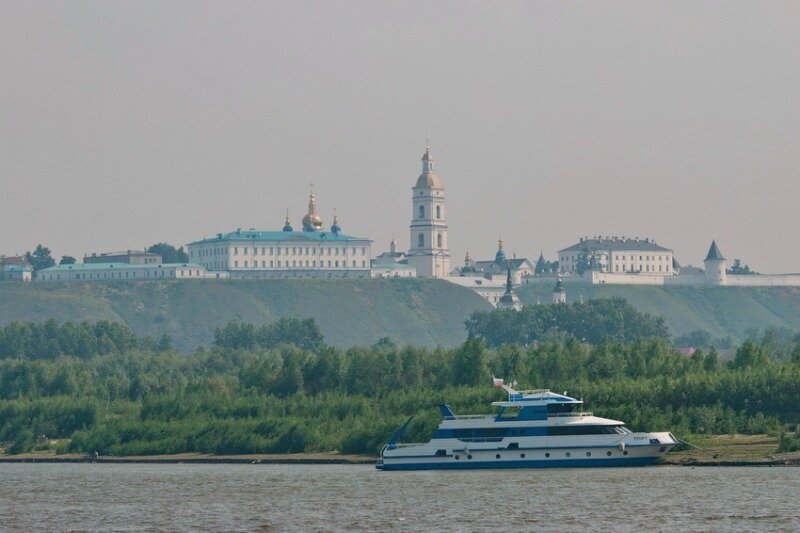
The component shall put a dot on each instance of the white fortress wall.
(764, 280)
(688, 279)
(610, 278)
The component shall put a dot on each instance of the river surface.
(141, 497)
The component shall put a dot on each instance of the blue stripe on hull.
(549, 463)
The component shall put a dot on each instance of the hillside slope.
(358, 312)
(722, 311)
(409, 311)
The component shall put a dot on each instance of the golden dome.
(312, 221)
(428, 179)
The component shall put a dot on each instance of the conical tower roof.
(713, 253)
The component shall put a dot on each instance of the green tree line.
(279, 388)
(592, 321)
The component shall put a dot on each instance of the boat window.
(440, 453)
(508, 413)
(480, 433)
(555, 408)
(513, 446)
(581, 429)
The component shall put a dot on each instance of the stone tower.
(716, 266)
(429, 252)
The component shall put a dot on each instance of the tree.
(592, 321)
(40, 258)
(750, 355)
(737, 268)
(469, 363)
(168, 253)
(303, 333)
(696, 338)
(67, 260)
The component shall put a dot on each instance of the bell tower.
(429, 252)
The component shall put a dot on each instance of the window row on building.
(274, 251)
(121, 271)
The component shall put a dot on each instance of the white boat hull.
(638, 451)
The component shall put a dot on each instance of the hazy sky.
(127, 123)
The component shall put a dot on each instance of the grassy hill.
(413, 311)
(722, 311)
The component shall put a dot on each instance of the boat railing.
(469, 417)
(533, 391)
(582, 413)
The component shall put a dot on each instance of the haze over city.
(124, 124)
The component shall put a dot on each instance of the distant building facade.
(16, 273)
(615, 255)
(490, 290)
(93, 272)
(429, 253)
(392, 264)
(15, 268)
(130, 257)
(310, 253)
(621, 261)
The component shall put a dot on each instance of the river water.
(141, 497)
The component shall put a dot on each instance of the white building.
(121, 271)
(311, 253)
(16, 272)
(616, 255)
(490, 290)
(392, 264)
(429, 252)
(645, 263)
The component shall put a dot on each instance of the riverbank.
(706, 450)
(732, 450)
(192, 458)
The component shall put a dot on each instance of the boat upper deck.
(534, 397)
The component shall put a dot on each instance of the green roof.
(252, 235)
(118, 266)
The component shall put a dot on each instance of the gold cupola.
(312, 221)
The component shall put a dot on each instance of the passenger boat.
(532, 428)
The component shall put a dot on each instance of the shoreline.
(193, 458)
(705, 450)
